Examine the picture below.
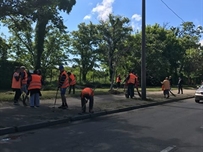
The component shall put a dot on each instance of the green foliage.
(85, 44)
(20, 15)
(6, 73)
(113, 33)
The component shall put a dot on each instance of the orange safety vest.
(162, 87)
(118, 80)
(35, 83)
(87, 91)
(131, 79)
(16, 84)
(66, 82)
(73, 80)
(24, 81)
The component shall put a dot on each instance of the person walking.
(72, 81)
(62, 85)
(180, 87)
(87, 94)
(34, 87)
(166, 87)
(16, 85)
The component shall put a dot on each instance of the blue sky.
(156, 12)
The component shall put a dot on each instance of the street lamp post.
(143, 65)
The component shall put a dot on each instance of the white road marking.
(168, 149)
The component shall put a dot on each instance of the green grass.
(8, 95)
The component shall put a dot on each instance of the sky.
(156, 12)
(177, 12)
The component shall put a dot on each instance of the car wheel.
(197, 101)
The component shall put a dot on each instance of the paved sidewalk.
(19, 118)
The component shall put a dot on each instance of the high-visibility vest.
(118, 79)
(16, 84)
(87, 91)
(131, 78)
(73, 80)
(66, 82)
(24, 81)
(35, 83)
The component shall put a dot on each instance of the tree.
(56, 46)
(113, 33)
(3, 49)
(189, 36)
(39, 13)
(85, 45)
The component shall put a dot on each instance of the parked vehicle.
(199, 94)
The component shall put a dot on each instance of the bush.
(6, 72)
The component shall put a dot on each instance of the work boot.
(91, 111)
(16, 102)
(65, 106)
(61, 107)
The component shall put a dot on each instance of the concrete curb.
(16, 129)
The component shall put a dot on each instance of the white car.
(199, 94)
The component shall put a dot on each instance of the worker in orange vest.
(24, 79)
(63, 85)
(131, 81)
(34, 86)
(16, 85)
(72, 81)
(166, 87)
(118, 81)
(87, 94)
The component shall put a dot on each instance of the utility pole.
(143, 65)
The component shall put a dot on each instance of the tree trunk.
(84, 79)
(39, 40)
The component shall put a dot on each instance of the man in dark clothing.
(180, 87)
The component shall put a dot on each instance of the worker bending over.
(87, 94)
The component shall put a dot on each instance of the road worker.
(24, 78)
(16, 85)
(63, 85)
(118, 81)
(72, 81)
(34, 87)
(131, 81)
(166, 87)
(87, 94)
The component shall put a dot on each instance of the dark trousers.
(70, 88)
(166, 93)
(180, 89)
(118, 84)
(17, 94)
(84, 100)
(131, 90)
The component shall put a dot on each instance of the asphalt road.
(171, 127)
